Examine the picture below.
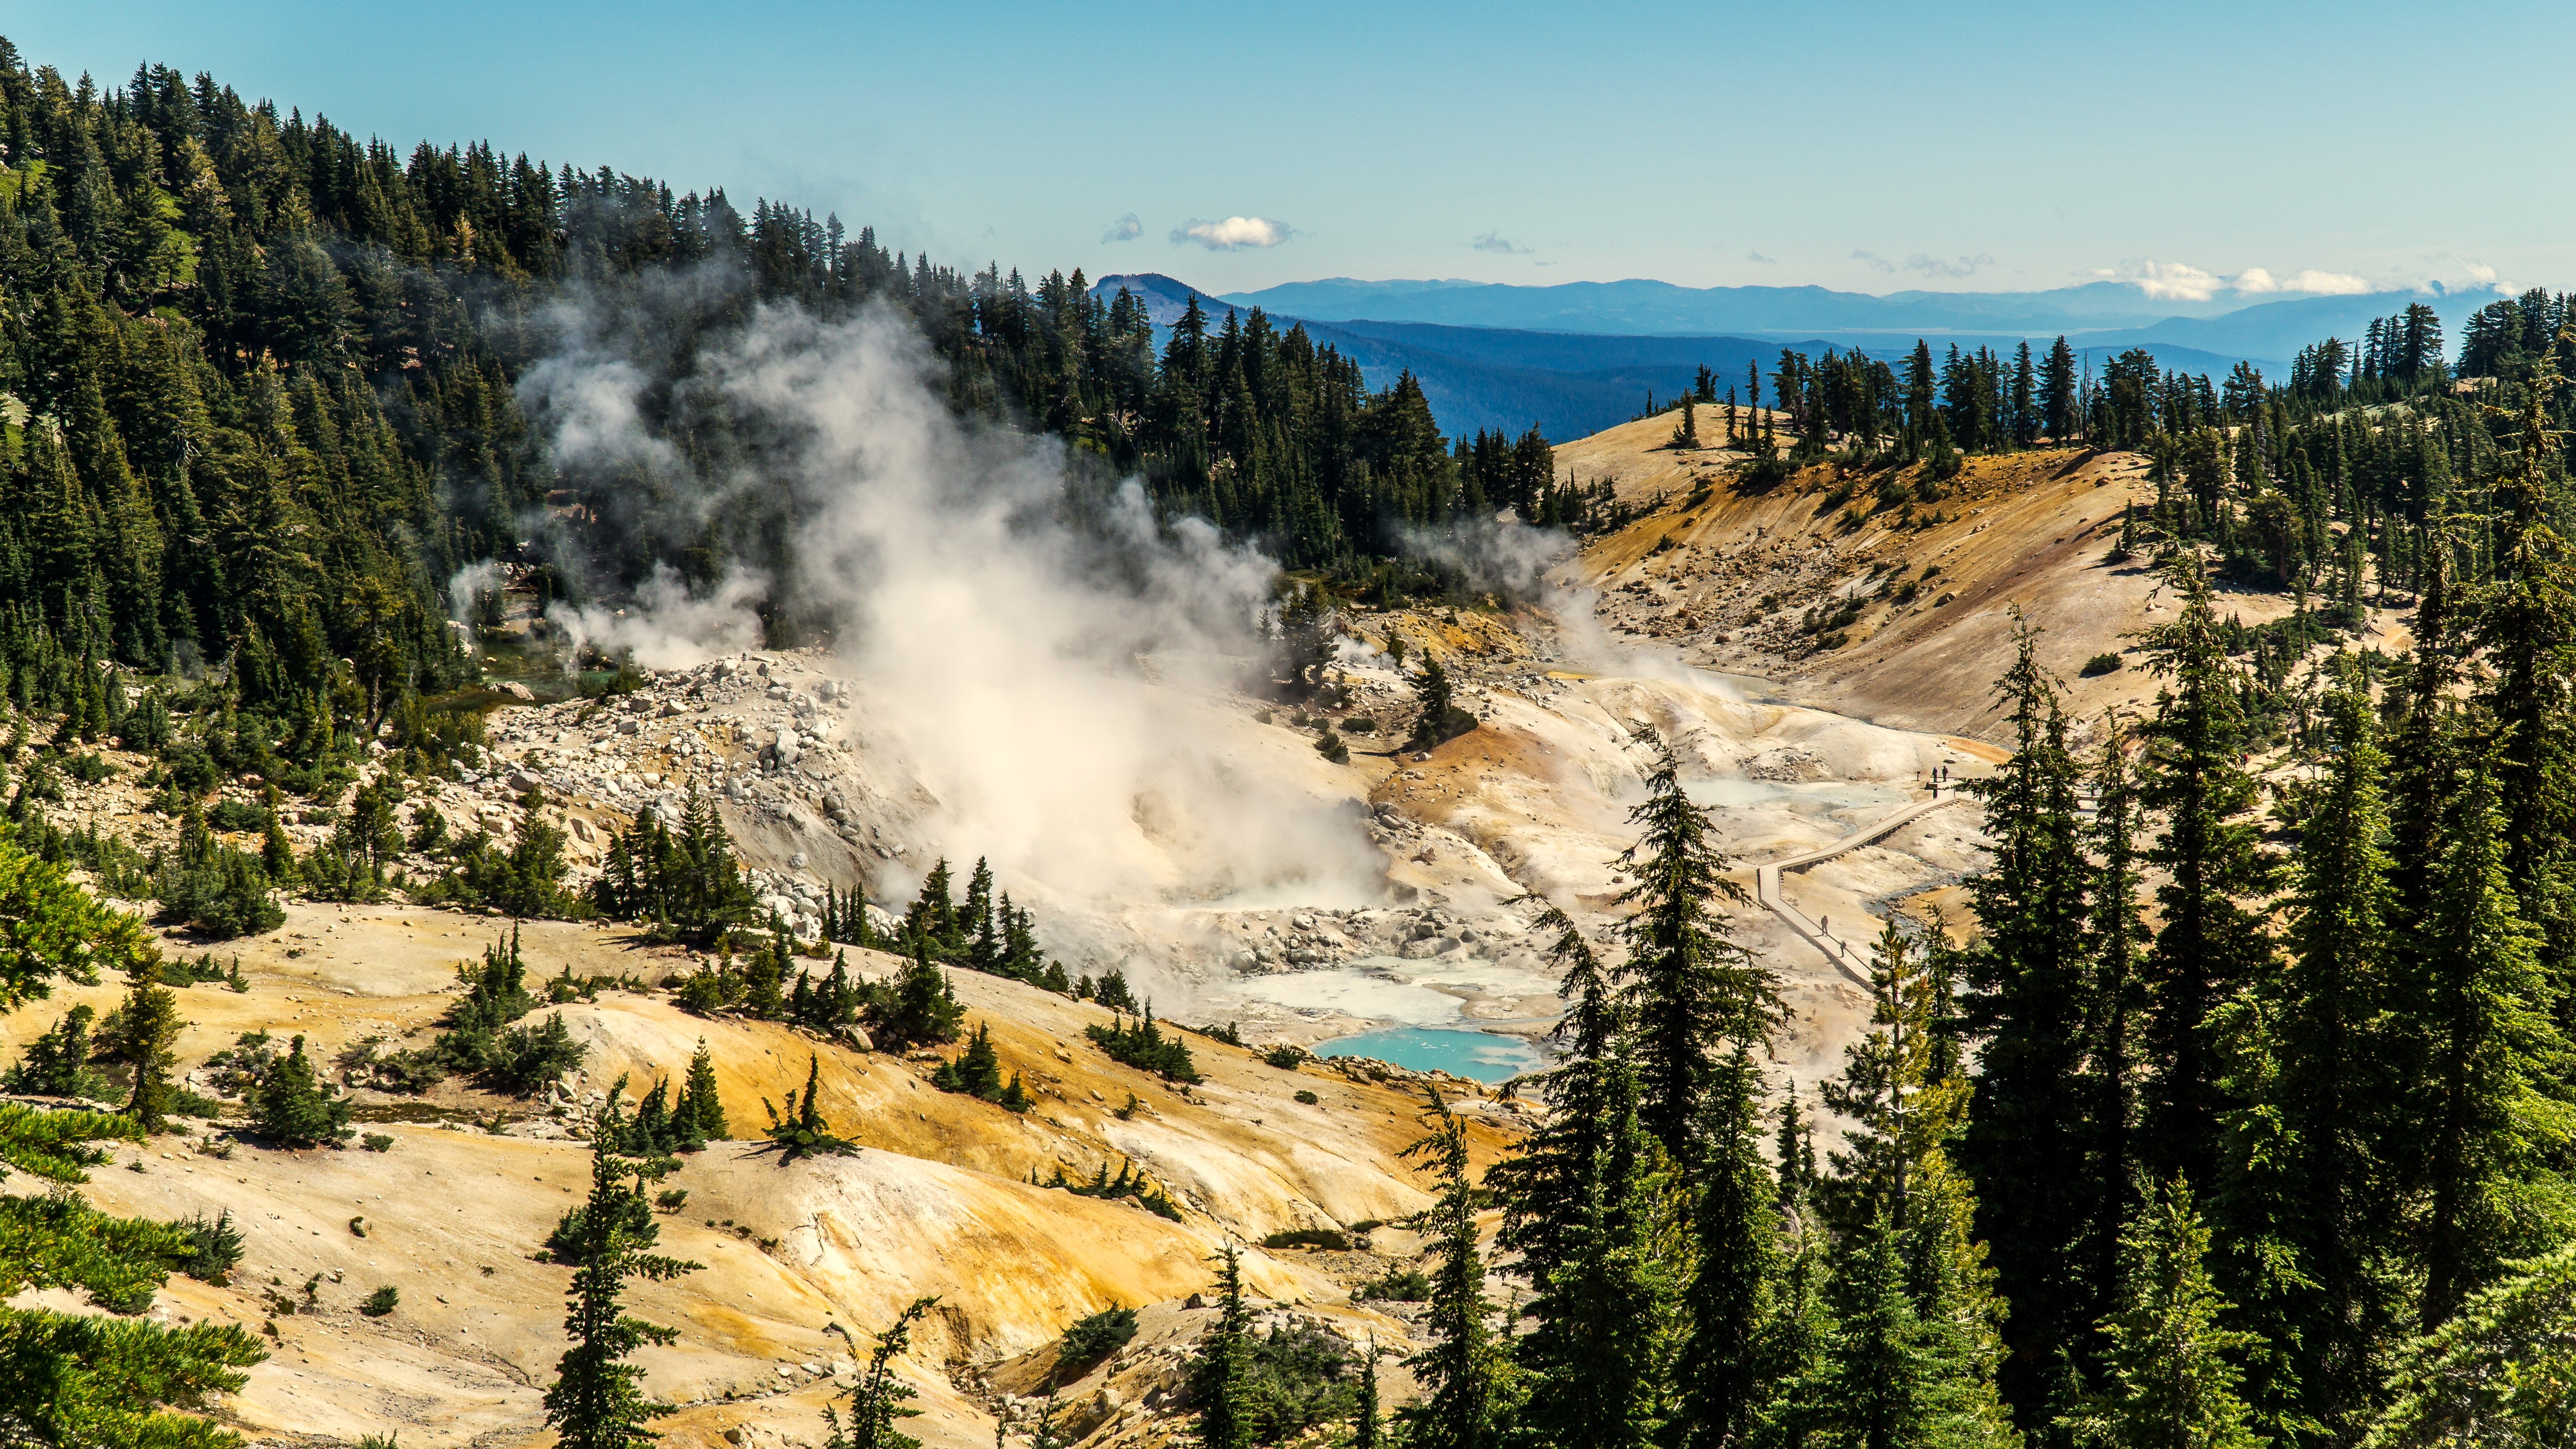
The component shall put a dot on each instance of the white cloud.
(1496, 242)
(2183, 282)
(1876, 262)
(1234, 233)
(1932, 266)
(1758, 257)
(1125, 228)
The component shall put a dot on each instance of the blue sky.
(1864, 146)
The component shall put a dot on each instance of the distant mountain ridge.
(2263, 326)
(1581, 356)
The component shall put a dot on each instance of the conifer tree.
(597, 1401)
(1875, 1378)
(879, 1400)
(699, 1107)
(87, 1378)
(2528, 630)
(140, 1033)
(1894, 1190)
(1459, 1366)
(1542, 1185)
(56, 1064)
(1691, 993)
(2486, 1063)
(1221, 1371)
(294, 1107)
(1598, 1363)
(2030, 980)
(2307, 1188)
(2117, 946)
(2169, 1379)
(2210, 943)
(1364, 1414)
(1735, 1228)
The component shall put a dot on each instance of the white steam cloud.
(668, 627)
(1235, 233)
(1052, 692)
(1125, 228)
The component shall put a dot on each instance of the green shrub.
(293, 1107)
(1144, 1047)
(238, 816)
(381, 1302)
(1089, 1340)
(56, 1064)
(376, 1142)
(214, 1248)
(1359, 724)
(1332, 1238)
(1287, 1057)
(1129, 1184)
(1306, 1098)
(2100, 664)
(1406, 1285)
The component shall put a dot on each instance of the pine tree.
(699, 1107)
(1437, 717)
(1735, 1227)
(879, 1400)
(2210, 943)
(597, 1401)
(293, 1107)
(1221, 1369)
(2528, 629)
(806, 1133)
(1364, 1414)
(1894, 1190)
(1875, 1379)
(2488, 1121)
(2496, 1373)
(56, 1064)
(2118, 941)
(2169, 1376)
(2307, 1187)
(1599, 1361)
(1543, 1184)
(1459, 1366)
(2030, 982)
(1692, 994)
(140, 1033)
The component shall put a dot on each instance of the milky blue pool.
(1478, 1054)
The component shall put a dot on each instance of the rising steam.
(1046, 685)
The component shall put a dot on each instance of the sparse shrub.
(1287, 1056)
(1128, 1183)
(671, 1200)
(2100, 664)
(1331, 747)
(1359, 724)
(1306, 1098)
(214, 1248)
(381, 1302)
(1089, 1340)
(1406, 1285)
(237, 816)
(1333, 1239)
(376, 1142)
(1144, 1047)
